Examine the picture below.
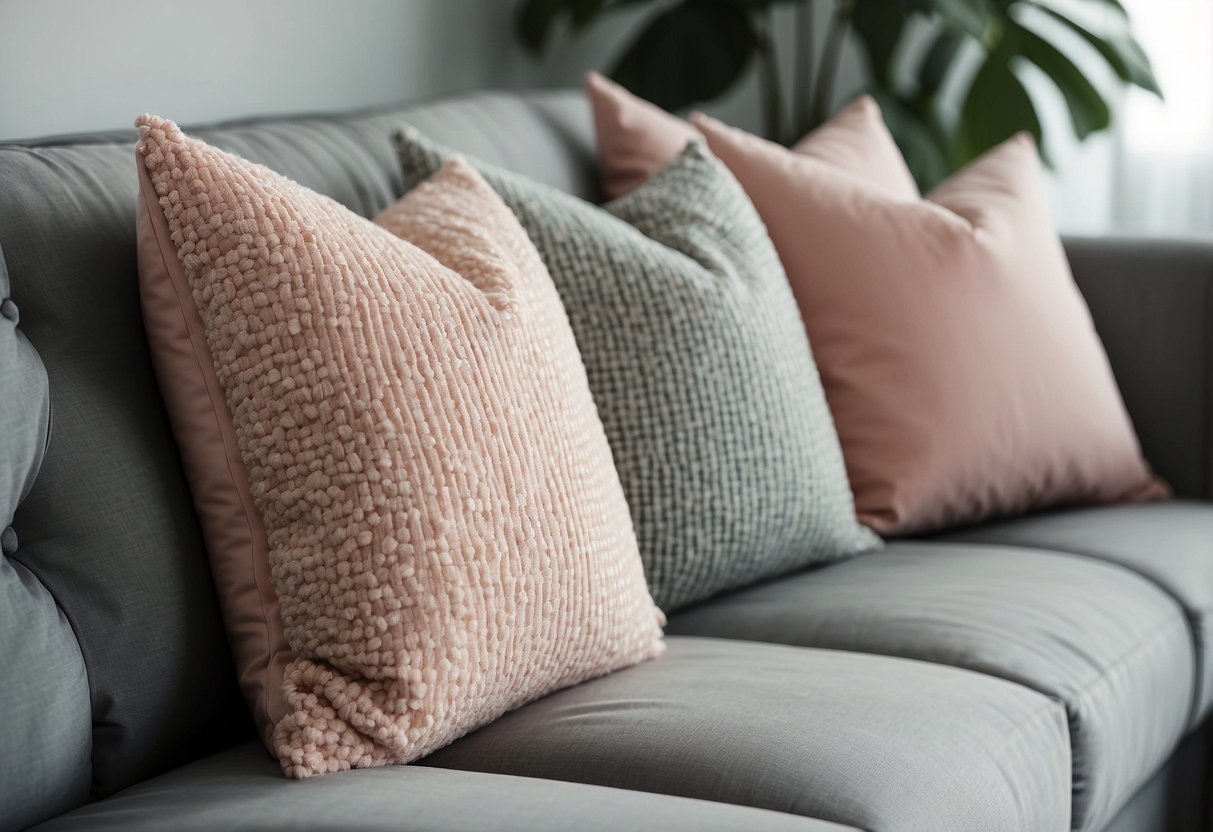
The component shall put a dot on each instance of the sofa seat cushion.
(243, 789)
(1106, 643)
(1170, 543)
(886, 745)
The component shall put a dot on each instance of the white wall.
(72, 65)
(69, 65)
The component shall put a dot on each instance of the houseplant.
(959, 96)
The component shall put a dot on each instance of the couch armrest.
(1152, 302)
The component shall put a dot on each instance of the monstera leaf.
(996, 108)
(942, 112)
(685, 53)
(994, 103)
(689, 53)
(536, 18)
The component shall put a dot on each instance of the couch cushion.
(44, 695)
(109, 527)
(1107, 644)
(1169, 543)
(243, 789)
(883, 744)
(25, 412)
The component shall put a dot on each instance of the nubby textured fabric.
(428, 525)
(701, 371)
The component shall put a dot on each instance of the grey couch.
(1039, 674)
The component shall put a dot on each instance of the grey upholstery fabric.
(46, 731)
(108, 542)
(109, 528)
(882, 744)
(243, 790)
(25, 408)
(1152, 302)
(701, 371)
(1170, 543)
(1178, 797)
(44, 692)
(1109, 645)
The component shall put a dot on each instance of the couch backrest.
(110, 576)
(44, 687)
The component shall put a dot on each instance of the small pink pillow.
(959, 359)
(410, 505)
(636, 139)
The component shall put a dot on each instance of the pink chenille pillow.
(636, 139)
(409, 502)
(959, 359)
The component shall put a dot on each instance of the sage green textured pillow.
(701, 371)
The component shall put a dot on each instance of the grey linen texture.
(701, 370)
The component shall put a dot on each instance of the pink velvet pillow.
(959, 359)
(636, 139)
(409, 502)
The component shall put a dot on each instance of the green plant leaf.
(748, 4)
(689, 53)
(1114, 4)
(1121, 50)
(616, 5)
(879, 24)
(938, 61)
(995, 109)
(584, 11)
(535, 18)
(1089, 112)
(532, 21)
(970, 16)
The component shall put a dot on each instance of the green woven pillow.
(701, 371)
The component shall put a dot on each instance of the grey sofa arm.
(1152, 301)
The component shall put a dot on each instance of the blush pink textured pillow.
(636, 139)
(411, 509)
(959, 359)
